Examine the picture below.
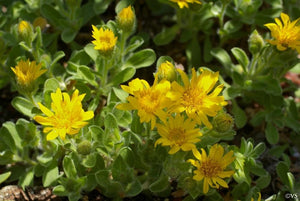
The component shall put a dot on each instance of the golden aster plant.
(105, 40)
(286, 34)
(185, 3)
(148, 100)
(211, 168)
(126, 19)
(27, 72)
(198, 97)
(178, 133)
(66, 117)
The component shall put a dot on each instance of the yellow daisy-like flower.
(66, 117)
(148, 101)
(185, 3)
(126, 18)
(178, 133)
(105, 40)
(199, 97)
(286, 34)
(27, 72)
(210, 168)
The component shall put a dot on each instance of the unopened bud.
(223, 122)
(167, 71)
(40, 22)
(256, 42)
(25, 30)
(126, 19)
(84, 147)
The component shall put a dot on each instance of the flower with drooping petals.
(210, 168)
(66, 117)
(178, 133)
(185, 3)
(199, 97)
(27, 72)
(148, 101)
(286, 34)
(105, 40)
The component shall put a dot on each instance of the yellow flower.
(126, 18)
(105, 40)
(185, 3)
(199, 97)
(166, 70)
(66, 117)
(148, 101)
(286, 33)
(178, 134)
(27, 72)
(210, 168)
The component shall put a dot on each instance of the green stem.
(124, 37)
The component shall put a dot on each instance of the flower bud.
(256, 42)
(25, 31)
(126, 19)
(40, 22)
(84, 147)
(167, 71)
(223, 122)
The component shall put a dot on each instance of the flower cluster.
(178, 111)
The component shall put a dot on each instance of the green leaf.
(120, 170)
(23, 105)
(4, 176)
(51, 14)
(193, 52)
(163, 59)
(123, 76)
(134, 43)
(121, 94)
(11, 136)
(50, 175)
(102, 177)
(60, 190)
(89, 49)
(69, 167)
(133, 188)
(258, 150)
(123, 4)
(282, 171)
(263, 181)
(268, 84)
(223, 57)
(51, 84)
(127, 155)
(90, 160)
(27, 178)
(240, 117)
(57, 56)
(166, 35)
(86, 74)
(241, 57)
(68, 35)
(272, 134)
(160, 184)
(291, 179)
(140, 59)
(110, 121)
